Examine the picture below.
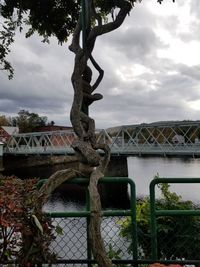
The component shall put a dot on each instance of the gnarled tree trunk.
(92, 165)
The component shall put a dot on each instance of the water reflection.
(59, 203)
(143, 169)
(72, 243)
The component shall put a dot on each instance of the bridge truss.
(174, 138)
(55, 142)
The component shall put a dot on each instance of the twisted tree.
(61, 18)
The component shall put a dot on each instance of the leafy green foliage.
(112, 254)
(5, 121)
(7, 34)
(115, 255)
(28, 122)
(176, 234)
(47, 17)
(59, 230)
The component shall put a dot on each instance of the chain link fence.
(184, 241)
(72, 244)
(168, 236)
(181, 247)
(175, 229)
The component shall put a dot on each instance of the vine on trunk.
(84, 126)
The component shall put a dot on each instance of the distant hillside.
(157, 123)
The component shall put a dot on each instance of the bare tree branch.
(125, 8)
(101, 73)
(75, 45)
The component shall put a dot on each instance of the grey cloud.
(170, 24)
(140, 16)
(183, 85)
(135, 41)
(125, 111)
(29, 67)
(193, 34)
(38, 86)
(167, 101)
(139, 104)
(195, 7)
(42, 80)
(193, 72)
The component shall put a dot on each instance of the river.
(143, 169)
(140, 169)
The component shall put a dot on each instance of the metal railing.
(175, 214)
(73, 248)
(78, 223)
(174, 138)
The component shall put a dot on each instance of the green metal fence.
(73, 245)
(187, 249)
(73, 248)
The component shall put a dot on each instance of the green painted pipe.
(83, 22)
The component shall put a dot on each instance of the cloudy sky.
(151, 64)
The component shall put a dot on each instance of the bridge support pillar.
(1, 164)
(118, 167)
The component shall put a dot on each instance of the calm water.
(140, 169)
(143, 169)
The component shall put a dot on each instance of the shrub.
(25, 236)
(177, 236)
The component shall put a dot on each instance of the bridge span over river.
(161, 138)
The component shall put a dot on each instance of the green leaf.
(8, 253)
(37, 223)
(59, 230)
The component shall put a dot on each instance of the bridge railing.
(41, 143)
(138, 140)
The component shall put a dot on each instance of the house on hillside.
(6, 132)
(178, 139)
(60, 136)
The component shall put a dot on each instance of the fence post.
(153, 221)
(133, 218)
(89, 255)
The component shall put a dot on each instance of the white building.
(178, 139)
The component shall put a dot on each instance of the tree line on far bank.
(26, 121)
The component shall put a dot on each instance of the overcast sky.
(151, 64)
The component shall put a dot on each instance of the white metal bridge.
(164, 138)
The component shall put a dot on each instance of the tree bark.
(84, 126)
(86, 147)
